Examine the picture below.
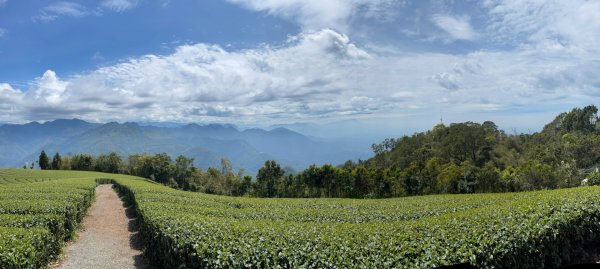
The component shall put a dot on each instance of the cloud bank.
(527, 56)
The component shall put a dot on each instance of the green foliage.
(583, 120)
(459, 158)
(43, 161)
(82, 162)
(38, 211)
(56, 162)
(592, 179)
(109, 163)
(549, 228)
(267, 179)
(534, 175)
(471, 157)
(512, 230)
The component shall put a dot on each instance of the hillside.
(207, 144)
(466, 157)
(473, 157)
(19, 141)
(181, 229)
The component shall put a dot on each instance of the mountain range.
(207, 144)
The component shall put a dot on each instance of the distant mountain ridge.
(207, 144)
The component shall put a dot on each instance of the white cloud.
(3, 3)
(10, 101)
(204, 81)
(316, 75)
(119, 5)
(3, 32)
(575, 22)
(8, 93)
(63, 8)
(549, 63)
(49, 88)
(318, 14)
(458, 28)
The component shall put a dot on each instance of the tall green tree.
(182, 171)
(43, 161)
(109, 163)
(161, 168)
(56, 162)
(267, 178)
(82, 162)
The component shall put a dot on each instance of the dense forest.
(459, 158)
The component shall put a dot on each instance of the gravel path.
(108, 239)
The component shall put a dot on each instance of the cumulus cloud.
(63, 8)
(325, 74)
(205, 81)
(10, 100)
(50, 88)
(458, 28)
(8, 94)
(315, 75)
(119, 5)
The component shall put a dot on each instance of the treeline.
(179, 173)
(459, 158)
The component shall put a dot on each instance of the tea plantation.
(39, 210)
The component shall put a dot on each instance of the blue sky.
(387, 66)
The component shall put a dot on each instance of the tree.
(593, 178)
(447, 180)
(360, 183)
(111, 163)
(267, 178)
(161, 167)
(43, 161)
(582, 120)
(466, 142)
(468, 183)
(182, 171)
(533, 175)
(246, 185)
(56, 162)
(489, 179)
(82, 162)
(412, 179)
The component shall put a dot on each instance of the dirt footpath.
(108, 239)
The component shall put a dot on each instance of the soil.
(109, 237)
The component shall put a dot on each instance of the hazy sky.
(389, 64)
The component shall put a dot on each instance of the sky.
(384, 67)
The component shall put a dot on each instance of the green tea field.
(39, 210)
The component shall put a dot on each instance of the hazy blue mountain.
(207, 144)
(17, 141)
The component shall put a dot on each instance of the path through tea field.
(108, 239)
(40, 210)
